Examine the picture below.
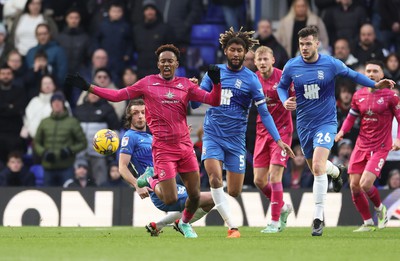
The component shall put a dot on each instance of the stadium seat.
(38, 171)
(206, 34)
(213, 15)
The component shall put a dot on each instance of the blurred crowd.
(46, 129)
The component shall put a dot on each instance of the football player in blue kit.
(136, 153)
(313, 76)
(225, 125)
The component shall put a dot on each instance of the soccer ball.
(105, 142)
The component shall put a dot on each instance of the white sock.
(379, 208)
(198, 214)
(222, 205)
(168, 219)
(275, 223)
(320, 189)
(284, 208)
(369, 222)
(331, 169)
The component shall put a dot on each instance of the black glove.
(214, 73)
(75, 80)
(49, 156)
(65, 153)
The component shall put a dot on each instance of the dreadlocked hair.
(168, 47)
(240, 37)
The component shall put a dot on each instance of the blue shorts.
(230, 150)
(177, 206)
(320, 136)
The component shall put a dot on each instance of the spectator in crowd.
(266, 38)
(114, 35)
(11, 9)
(12, 105)
(234, 13)
(341, 51)
(34, 75)
(102, 77)
(129, 77)
(114, 177)
(58, 8)
(344, 21)
(299, 16)
(58, 139)
(23, 31)
(3, 36)
(368, 47)
(180, 16)
(99, 60)
(394, 180)
(148, 35)
(39, 107)
(14, 61)
(81, 178)
(55, 54)
(74, 40)
(297, 174)
(249, 61)
(392, 68)
(389, 11)
(15, 174)
(95, 114)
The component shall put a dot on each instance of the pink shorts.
(371, 161)
(170, 159)
(267, 151)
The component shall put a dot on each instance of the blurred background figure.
(81, 177)
(393, 181)
(58, 139)
(114, 177)
(297, 174)
(368, 47)
(392, 68)
(341, 51)
(15, 174)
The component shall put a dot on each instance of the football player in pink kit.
(166, 98)
(269, 159)
(376, 109)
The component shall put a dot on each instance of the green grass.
(128, 243)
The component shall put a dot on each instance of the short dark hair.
(128, 115)
(168, 47)
(376, 62)
(5, 66)
(41, 54)
(309, 30)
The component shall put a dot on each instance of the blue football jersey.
(138, 145)
(314, 84)
(239, 88)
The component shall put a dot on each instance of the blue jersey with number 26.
(314, 84)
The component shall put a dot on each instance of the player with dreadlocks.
(225, 125)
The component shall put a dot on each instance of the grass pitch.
(128, 243)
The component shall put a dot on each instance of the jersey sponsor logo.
(361, 100)
(380, 101)
(124, 141)
(311, 91)
(226, 95)
(320, 74)
(238, 83)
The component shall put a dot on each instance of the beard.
(140, 127)
(235, 66)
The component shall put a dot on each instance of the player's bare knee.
(215, 181)
(170, 200)
(234, 192)
(318, 169)
(258, 182)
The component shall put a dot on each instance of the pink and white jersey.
(166, 104)
(376, 110)
(281, 116)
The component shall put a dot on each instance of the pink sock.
(267, 191)
(153, 182)
(373, 195)
(276, 200)
(361, 203)
(186, 216)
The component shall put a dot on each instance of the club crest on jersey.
(275, 86)
(320, 75)
(238, 83)
(380, 101)
(180, 86)
(169, 95)
(124, 141)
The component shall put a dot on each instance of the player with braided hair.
(225, 125)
